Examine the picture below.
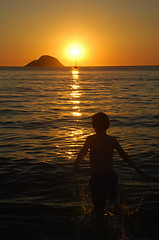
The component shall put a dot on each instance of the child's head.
(100, 122)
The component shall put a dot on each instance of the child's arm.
(128, 159)
(82, 153)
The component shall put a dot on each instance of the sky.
(108, 32)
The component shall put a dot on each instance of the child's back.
(101, 153)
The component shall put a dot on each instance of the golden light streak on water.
(75, 94)
(75, 102)
(76, 107)
(75, 74)
(78, 114)
(75, 86)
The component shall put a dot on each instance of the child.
(104, 180)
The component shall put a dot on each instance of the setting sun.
(75, 50)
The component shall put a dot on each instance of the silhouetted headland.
(45, 61)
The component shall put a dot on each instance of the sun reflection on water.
(75, 86)
(75, 133)
(75, 74)
(78, 114)
(75, 94)
(75, 102)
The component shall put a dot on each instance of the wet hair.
(100, 121)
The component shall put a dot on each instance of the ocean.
(45, 119)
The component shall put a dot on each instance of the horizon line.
(156, 65)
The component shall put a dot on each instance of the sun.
(75, 50)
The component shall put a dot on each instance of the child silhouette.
(104, 180)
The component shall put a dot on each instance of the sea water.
(45, 117)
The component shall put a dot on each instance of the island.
(45, 61)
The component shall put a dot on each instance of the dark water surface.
(45, 118)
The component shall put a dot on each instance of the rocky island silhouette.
(45, 61)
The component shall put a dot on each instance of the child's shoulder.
(112, 138)
(93, 136)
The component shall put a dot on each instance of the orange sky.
(116, 32)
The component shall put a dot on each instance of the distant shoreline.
(118, 66)
(84, 67)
